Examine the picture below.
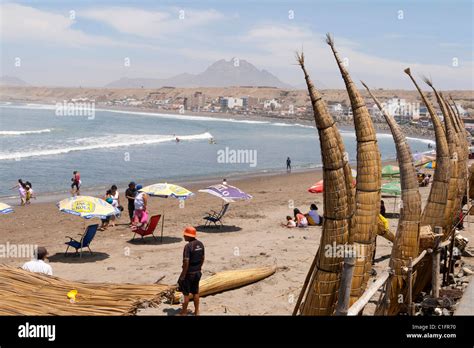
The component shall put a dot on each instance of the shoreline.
(192, 183)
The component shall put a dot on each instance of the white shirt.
(139, 202)
(115, 198)
(38, 266)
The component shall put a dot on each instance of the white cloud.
(23, 23)
(152, 24)
(277, 46)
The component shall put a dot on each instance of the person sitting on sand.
(21, 186)
(383, 210)
(130, 194)
(37, 265)
(423, 181)
(426, 180)
(290, 223)
(314, 219)
(300, 219)
(193, 259)
(140, 215)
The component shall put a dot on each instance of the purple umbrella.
(227, 193)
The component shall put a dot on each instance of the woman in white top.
(114, 194)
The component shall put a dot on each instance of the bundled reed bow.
(369, 174)
(324, 275)
(406, 241)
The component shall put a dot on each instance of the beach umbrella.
(392, 188)
(87, 207)
(227, 193)
(319, 187)
(390, 170)
(420, 159)
(430, 165)
(5, 209)
(165, 190)
(316, 188)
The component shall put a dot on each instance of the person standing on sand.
(140, 214)
(21, 186)
(130, 194)
(288, 165)
(76, 183)
(193, 259)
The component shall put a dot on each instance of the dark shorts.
(190, 284)
(76, 185)
(131, 209)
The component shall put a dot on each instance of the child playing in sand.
(29, 193)
(290, 223)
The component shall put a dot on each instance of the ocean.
(115, 147)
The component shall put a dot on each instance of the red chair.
(149, 229)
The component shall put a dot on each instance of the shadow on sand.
(223, 229)
(72, 257)
(149, 240)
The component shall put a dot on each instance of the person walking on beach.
(21, 186)
(76, 183)
(37, 265)
(140, 215)
(130, 194)
(193, 259)
(288, 165)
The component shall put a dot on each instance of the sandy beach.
(252, 237)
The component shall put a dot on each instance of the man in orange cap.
(193, 258)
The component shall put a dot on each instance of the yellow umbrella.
(87, 207)
(5, 208)
(165, 190)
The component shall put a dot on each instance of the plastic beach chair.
(216, 218)
(85, 240)
(149, 229)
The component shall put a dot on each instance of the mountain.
(219, 74)
(11, 81)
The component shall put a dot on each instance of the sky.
(91, 43)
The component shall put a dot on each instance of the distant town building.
(249, 103)
(197, 101)
(271, 104)
(230, 103)
(401, 110)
